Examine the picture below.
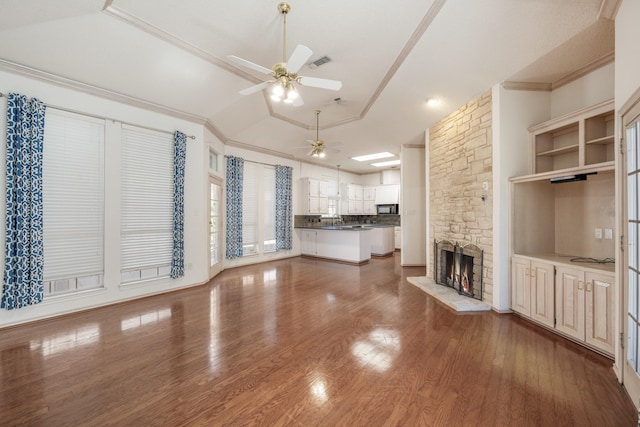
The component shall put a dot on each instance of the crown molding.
(592, 66)
(531, 86)
(54, 79)
(609, 9)
(571, 77)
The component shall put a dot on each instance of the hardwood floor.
(301, 342)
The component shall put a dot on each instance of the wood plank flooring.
(301, 342)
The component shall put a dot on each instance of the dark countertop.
(347, 227)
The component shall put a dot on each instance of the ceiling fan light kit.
(285, 73)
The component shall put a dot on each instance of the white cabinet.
(308, 242)
(314, 196)
(584, 306)
(352, 199)
(387, 195)
(398, 237)
(382, 241)
(352, 246)
(532, 289)
(369, 201)
(574, 300)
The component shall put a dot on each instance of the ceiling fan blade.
(255, 88)
(298, 58)
(321, 83)
(333, 144)
(310, 152)
(249, 64)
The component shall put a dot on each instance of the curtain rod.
(251, 161)
(3, 95)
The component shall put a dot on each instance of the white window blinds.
(250, 208)
(147, 203)
(269, 208)
(73, 200)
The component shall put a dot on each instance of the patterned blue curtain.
(180, 157)
(284, 209)
(23, 245)
(235, 169)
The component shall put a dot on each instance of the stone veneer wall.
(460, 161)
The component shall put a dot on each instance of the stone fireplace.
(460, 175)
(459, 267)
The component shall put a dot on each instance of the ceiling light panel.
(383, 164)
(375, 156)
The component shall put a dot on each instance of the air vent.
(318, 62)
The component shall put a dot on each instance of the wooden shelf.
(559, 151)
(605, 140)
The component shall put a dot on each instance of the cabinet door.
(570, 302)
(323, 189)
(308, 242)
(314, 188)
(542, 293)
(369, 194)
(314, 205)
(521, 286)
(599, 311)
(369, 208)
(323, 205)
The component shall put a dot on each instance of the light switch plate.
(608, 233)
(598, 233)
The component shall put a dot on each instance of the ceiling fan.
(319, 148)
(285, 73)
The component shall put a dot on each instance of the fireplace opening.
(459, 267)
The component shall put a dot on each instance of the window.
(213, 160)
(147, 204)
(73, 202)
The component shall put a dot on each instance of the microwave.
(387, 209)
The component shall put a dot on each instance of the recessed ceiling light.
(376, 156)
(432, 102)
(389, 163)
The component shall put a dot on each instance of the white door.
(215, 226)
(631, 261)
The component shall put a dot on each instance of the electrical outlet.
(598, 233)
(608, 233)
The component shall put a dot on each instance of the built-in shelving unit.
(574, 140)
(553, 223)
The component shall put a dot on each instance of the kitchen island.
(351, 244)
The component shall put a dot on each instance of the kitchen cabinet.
(578, 139)
(314, 196)
(532, 289)
(382, 240)
(584, 306)
(352, 201)
(369, 201)
(308, 242)
(348, 245)
(398, 237)
(387, 195)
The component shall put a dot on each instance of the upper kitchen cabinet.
(314, 196)
(352, 202)
(582, 138)
(387, 195)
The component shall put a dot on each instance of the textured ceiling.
(390, 57)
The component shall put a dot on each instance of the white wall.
(513, 112)
(195, 188)
(592, 89)
(413, 202)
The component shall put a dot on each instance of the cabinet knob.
(580, 285)
(589, 284)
